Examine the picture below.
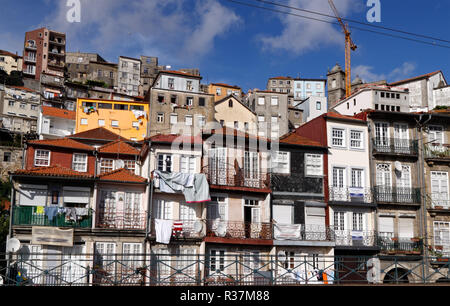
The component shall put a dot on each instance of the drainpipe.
(372, 181)
(10, 223)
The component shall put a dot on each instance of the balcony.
(29, 59)
(30, 216)
(30, 46)
(121, 220)
(184, 229)
(56, 64)
(350, 195)
(439, 151)
(302, 232)
(395, 146)
(351, 238)
(238, 230)
(400, 245)
(399, 195)
(438, 201)
(231, 177)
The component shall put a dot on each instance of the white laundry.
(163, 229)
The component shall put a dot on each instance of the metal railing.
(225, 175)
(238, 229)
(184, 228)
(302, 232)
(363, 238)
(437, 201)
(121, 220)
(397, 194)
(241, 269)
(395, 145)
(350, 194)
(400, 245)
(32, 216)
(437, 151)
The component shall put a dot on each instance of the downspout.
(372, 181)
(11, 211)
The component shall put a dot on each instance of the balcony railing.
(229, 176)
(56, 64)
(362, 238)
(350, 194)
(395, 146)
(31, 216)
(400, 245)
(438, 201)
(397, 195)
(238, 229)
(437, 151)
(185, 228)
(302, 232)
(30, 59)
(121, 220)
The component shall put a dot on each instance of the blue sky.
(240, 45)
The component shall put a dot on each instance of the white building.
(55, 122)
(313, 107)
(129, 75)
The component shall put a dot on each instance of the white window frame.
(40, 158)
(333, 137)
(282, 162)
(261, 101)
(311, 163)
(103, 167)
(160, 117)
(83, 121)
(352, 133)
(77, 165)
(173, 119)
(164, 165)
(101, 122)
(113, 123)
(188, 164)
(274, 101)
(188, 120)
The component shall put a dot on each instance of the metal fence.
(219, 270)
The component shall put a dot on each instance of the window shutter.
(406, 227)
(283, 214)
(256, 215)
(386, 224)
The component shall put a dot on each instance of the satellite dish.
(398, 166)
(198, 226)
(13, 245)
(119, 164)
(221, 229)
(281, 255)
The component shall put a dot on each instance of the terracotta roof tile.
(295, 139)
(7, 53)
(179, 72)
(23, 88)
(281, 78)
(122, 175)
(58, 112)
(63, 143)
(54, 171)
(99, 133)
(226, 85)
(339, 116)
(427, 75)
(120, 147)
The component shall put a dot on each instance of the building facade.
(129, 75)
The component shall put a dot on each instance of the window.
(440, 188)
(274, 101)
(201, 101)
(101, 122)
(189, 86)
(173, 118)
(165, 162)
(171, 83)
(130, 165)
(135, 124)
(79, 162)
(382, 94)
(42, 158)
(187, 164)
(339, 221)
(160, 98)
(314, 164)
(338, 137)
(435, 135)
(11, 103)
(105, 105)
(222, 123)
(83, 121)
(121, 106)
(137, 107)
(229, 91)
(230, 103)
(189, 101)
(236, 125)
(201, 121)
(160, 117)
(356, 141)
(188, 119)
(261, 118)
(33, 107)
(6, 156)
(357, 178)
(114, 123)
(442, 236)
(357, 221)
(282, 162)
(216, 261)
(106, 165)
(218, 91)
(318, 105)
(173, 99)
(261, 101)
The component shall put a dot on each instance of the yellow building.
(127, 118)
(10, 62)
(221, 90)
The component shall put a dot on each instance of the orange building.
(221, 90)
(126, 118)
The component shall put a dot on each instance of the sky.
(241, 45)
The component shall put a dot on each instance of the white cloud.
(175, 30)
(300, 35)
(367, 75)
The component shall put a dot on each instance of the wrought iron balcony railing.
(121, 220)
(232, 177)
(397, 195)
(400, 245)
(438, 201)
(437, 151)
(238, 229)
(350, 194)
(395, 146)
(302, 232)
(363, 238)
(33, 216)
(184, 228)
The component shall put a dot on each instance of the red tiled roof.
(236, 133)
(170, 138)
(62, 142)
(23, 88)
(281, 78)
(122, 175)
(7, 53)
(118, 147)
(225, 85)
(180, 72)
(58, 112)
(295, 139)
(99, 133)
(54, 171)
(427, 75)
(339, 116)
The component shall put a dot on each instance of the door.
(442, 236)
(132, 260)
(384, 183)
(104, 262)
(107, 214)
(218, 166)
(381, 136)
(439, 189)
(251, 169)
(401, 138)
(132, 215)
(339, 192)
(406, 229)
(74, 266)
(404, 191)
(386, 232)
(187, 217)
(252, 218)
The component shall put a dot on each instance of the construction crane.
(349, 45)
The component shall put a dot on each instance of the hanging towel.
(71, 214)
(50, 212)
(195, 187)
(163, 229)
(200, 191)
